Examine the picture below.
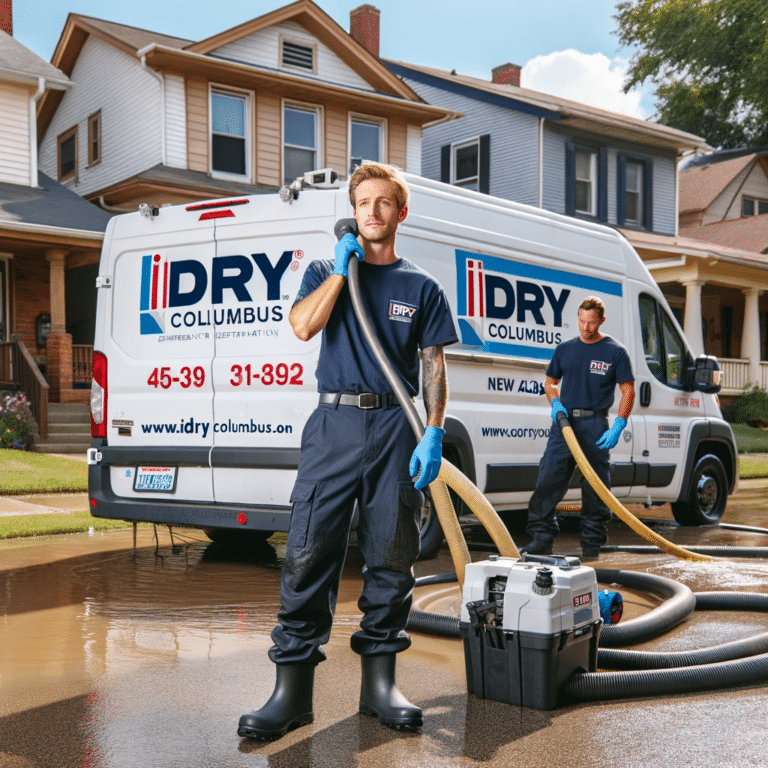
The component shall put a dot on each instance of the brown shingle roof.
(700, 185)
(749, 233)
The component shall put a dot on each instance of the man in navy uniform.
(358, 445)
(589, 365)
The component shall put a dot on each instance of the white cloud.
(591, 79)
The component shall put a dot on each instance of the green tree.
(709, 61)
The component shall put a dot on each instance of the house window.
(634, 203)
(751, 206)
(94, 138)
(366, 142)
(67, 154)
(295, 55)
(229, 141)
(467, 164)
(300, 141)
(586, 187)
(586, 182)
(633, 194)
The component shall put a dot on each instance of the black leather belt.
(583, 413)
(366, 400)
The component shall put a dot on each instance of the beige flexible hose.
(615, 505)
(480, 506)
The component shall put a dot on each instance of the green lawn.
(18, 526)
(750, 439)
(28, 472)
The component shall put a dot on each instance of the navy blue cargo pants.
(347, 454)
(555, 471)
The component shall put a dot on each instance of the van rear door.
(159, 349)
(265, 387)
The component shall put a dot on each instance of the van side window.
(665, 353)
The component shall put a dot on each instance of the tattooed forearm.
(434, 384)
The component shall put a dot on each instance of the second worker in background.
(581, 381)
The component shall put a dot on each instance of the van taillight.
(99, 396)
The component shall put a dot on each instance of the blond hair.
(368, 171)
(593, 302)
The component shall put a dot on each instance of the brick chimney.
(364, 27)
(506, 74)
(6, 16)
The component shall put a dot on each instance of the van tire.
(430, 530)
(707, 494)
(237, 537)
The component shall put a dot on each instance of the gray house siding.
(514, 140)
(513, 127)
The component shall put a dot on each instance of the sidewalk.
(42, 504)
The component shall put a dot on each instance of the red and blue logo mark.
(513, 308)
(154, 293)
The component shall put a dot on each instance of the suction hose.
(614, 504)
(449, 474)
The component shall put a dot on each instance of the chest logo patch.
(401, 312)
(599, 367)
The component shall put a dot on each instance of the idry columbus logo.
(514, 308)
(166, 286)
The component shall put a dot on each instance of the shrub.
(16, 421)
(751, 408)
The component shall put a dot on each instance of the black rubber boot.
(537, 547)
(380, 696)
(289, 707)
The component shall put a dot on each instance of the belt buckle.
(367, 401)
(577, 412)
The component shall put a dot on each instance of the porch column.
(750, 335)
(692, 319)
(59, 342)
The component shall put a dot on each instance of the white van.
(201, 389)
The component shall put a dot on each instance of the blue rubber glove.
(611, 436)
(427, 457)
(345, 247)
(557, 407)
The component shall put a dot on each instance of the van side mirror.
(704, 376)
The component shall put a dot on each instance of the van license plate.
(154, 478)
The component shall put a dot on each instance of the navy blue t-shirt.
(590, 372)
(408, 311)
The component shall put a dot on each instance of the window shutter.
(570, 179)
(445, 163)
(648, 195)
(484, 164)
(621, 189)
(602, 184)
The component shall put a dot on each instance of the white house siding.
(413, 150)
(175, 122)
(262, 49)
(514, 141)
(14, 133)
(129, 98)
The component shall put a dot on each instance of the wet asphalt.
(115, 657)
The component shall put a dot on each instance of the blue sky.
(567, 47)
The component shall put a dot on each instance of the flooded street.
(120, 658)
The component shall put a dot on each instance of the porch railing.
(19, 371)
(82, 364)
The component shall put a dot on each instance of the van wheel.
(430, 530)
(707, 494)
(237, 537)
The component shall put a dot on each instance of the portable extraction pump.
(527, 626)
